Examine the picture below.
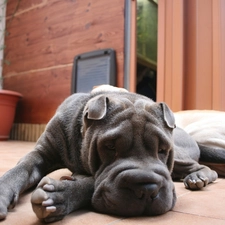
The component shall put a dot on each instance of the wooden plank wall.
(44, 36)
(204, 54)
(191, 54)
(170, 53)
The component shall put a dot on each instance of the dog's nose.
(145, 191)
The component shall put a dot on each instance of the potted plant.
(8, 102)
(8, 99)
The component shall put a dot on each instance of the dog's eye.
(162, 151)
(110, 146)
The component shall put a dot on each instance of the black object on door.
(92, 69)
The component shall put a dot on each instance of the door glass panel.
(147, 24)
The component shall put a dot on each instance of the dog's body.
(121, 148)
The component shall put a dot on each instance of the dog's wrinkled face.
(127, 146)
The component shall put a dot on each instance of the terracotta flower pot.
(8, 102)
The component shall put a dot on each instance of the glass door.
(146, 48)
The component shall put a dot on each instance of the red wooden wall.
(191, 54)
(44, 36)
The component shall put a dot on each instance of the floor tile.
(172, 218)
(208, 202)
(193, 207)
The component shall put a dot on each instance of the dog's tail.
(211, 155)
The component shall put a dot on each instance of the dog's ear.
(168, 115)
(170, 161)
(96, 108)
(170, 122)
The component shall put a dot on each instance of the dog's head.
(128, 148)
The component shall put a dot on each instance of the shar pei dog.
(123, 150)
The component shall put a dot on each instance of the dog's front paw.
(199, 179)
(8, 200)
(195, 181)
(49, 200)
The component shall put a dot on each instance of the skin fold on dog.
(123, 150)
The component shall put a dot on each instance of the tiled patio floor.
(193, 207)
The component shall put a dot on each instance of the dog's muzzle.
(134, 191)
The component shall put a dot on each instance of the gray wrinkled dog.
(121, 148)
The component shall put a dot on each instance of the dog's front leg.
(194, 175)
(24, 175)
(53, 199)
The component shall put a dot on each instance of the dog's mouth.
(134, 192)
(127, 205)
